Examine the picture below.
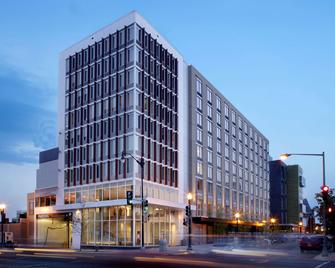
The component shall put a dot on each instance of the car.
(313, 242)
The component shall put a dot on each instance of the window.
(210, 157)
(218, 118)
(226, 152)
(199, 168)
(218, 147)
(198, 85)
(219, 161)
(226, 125)
(210, 141)
(199, 135)
(199, 151)
(209, 95)
(233, 117)
(226, 138)
(210, 172)
(199, 103)
(218, 176)
(218, 103)
(199, 119)
(218, 133)
(209, 111)
(209, 126)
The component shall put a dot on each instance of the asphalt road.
(136, 258)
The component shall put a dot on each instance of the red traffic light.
(330, 210)
(325, 189)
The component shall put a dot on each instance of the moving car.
(313, 242)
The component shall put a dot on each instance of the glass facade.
(121, 226)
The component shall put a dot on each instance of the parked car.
(313, 242)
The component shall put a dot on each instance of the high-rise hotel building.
(126, 89)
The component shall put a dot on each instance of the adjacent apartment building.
(125, 89)
(286, 193)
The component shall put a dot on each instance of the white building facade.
(122, 90)
(125, 89)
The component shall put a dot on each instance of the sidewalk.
(330, 257)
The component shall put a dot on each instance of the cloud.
(14, 176)
(28, 124)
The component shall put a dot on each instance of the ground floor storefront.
(121, 226)
(53, 230)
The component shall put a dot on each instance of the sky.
(274, 60)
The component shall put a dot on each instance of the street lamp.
(141, 164)
(272, 221)
(300, 226)
(237, 216)
(189, 198)
(287, 155)
(3, 216)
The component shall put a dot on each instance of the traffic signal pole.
(324, 247)
(189, 247)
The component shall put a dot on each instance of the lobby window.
(200, 185)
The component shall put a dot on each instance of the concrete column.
(76, 229)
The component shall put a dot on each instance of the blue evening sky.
(274, 60)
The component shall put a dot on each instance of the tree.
(326, 200)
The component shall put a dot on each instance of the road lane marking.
(50, 250)
(45, 256)
(240, 253)
(177, 261)
(322, 264)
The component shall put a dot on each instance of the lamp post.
(300, 226)
(287, 155)
(189, 198)
(237, 216)
(272, 221)
(141, 164)
(2, 213)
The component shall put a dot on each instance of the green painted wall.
(293, 208)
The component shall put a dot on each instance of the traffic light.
(325, 189)
(330, 210)
(129, 198)
(145, 206)
(187, 211)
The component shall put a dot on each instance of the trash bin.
(162, 245)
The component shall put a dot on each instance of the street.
(216, 257)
